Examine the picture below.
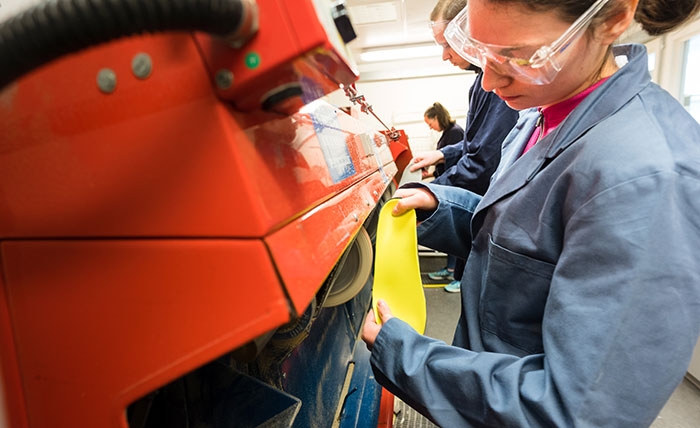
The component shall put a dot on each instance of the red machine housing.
(400, 150)
(150, 230)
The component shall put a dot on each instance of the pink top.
(552, 116)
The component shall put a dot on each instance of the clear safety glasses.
(438, 28)
(544, 62)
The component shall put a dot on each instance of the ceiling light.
(373, 13)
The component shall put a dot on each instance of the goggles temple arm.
(565, 39)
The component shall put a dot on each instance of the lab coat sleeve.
(619, 327)
(446, 229)
(454, 135)
(452, 153)
(476, 164)
(451, 386)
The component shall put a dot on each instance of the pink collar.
(555, 114)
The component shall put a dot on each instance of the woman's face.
(432, 123)
(511, 24)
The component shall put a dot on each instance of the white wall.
(668, 71)
(668, 53)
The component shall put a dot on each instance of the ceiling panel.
(382, 23)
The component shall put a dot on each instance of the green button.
(252, 60)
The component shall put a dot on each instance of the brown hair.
(656, 16)
(443, 116)
(447, 9)
(659, 17)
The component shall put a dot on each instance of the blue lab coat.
(581, 295)
(449, 137)
(471, 163)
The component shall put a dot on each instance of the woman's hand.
(416, 198)
(426, 159)
(370, 330)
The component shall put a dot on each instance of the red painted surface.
(145, 232)
(99, 324)
(400, 150)
(293, 49)
(156, 158)
(314, 239)
(386, 410)
(15, 409)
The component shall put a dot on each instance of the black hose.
(55, 28)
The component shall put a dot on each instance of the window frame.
(672, 72)
(656, 47)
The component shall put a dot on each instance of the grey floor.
(681, 411)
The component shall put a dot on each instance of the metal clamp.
(365, 107)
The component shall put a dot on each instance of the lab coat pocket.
(513, 297)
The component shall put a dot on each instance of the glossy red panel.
(12, 407)
(400, 150)
(290, 50)
(163, 156)
(100, 323)
(306, 250)
(386, 410)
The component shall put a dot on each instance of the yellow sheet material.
(396, 271)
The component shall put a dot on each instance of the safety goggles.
(544, 62)
(438, 27)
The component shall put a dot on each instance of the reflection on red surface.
(150, 230)
(400, 150)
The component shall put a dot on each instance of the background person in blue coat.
(471, 163)
(489, 120)
(438, 119)
(581, 296)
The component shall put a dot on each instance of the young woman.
(581, 296)
(438, 119)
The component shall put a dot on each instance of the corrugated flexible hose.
(55, 28)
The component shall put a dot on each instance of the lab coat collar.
(629, 81)
(515, 171)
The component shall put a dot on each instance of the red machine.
(400, 150)
(168, 199)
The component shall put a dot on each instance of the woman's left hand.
(370, 330)
(413, 198)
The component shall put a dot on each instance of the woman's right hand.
(414, 198)
(426, 159)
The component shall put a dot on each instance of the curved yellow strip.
(396, 270)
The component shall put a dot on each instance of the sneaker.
(441, 274)
(452, 287)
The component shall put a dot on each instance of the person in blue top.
(489, 120)
(471, 163)
(581, 295)
(438, 119)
